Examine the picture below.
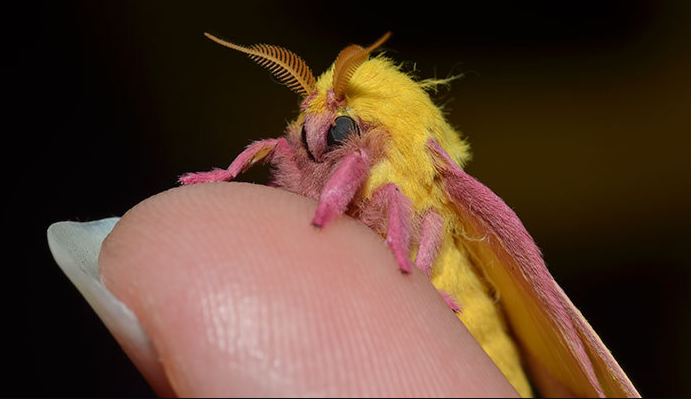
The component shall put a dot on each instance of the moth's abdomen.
(454, 272)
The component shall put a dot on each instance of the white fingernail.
(75, 247)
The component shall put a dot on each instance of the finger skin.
(242, 296)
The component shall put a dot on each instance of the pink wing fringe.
(480, 203)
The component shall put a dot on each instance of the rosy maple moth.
(369, 142)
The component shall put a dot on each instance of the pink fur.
(430, 241)
(299, 173)
(332, 102)
(316, 127)
(399, 215)
(479, 203)
(341, 187)
(374, 213)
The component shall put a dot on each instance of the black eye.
(343, 126)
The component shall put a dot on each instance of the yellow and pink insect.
(369, 142)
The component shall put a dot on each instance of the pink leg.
(257, 151)
(341, 187)
(398, 230)
(430, 240)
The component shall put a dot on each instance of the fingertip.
(242, 297)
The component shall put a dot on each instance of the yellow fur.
(381, 94)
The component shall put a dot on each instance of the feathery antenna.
(285, 65)
(348, 61)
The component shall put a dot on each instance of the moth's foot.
(404, 264)
(325, 213)
(205, 177)
(450, 301)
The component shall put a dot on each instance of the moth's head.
(356, 97)
(327, 119)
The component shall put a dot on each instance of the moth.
(369, 142)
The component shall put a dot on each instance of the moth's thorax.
(381, 93)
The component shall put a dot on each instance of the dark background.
(578, 114)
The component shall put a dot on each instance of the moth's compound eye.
(343, 127)
(304, 142)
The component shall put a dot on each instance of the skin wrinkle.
(326, 336)
(226, 308)
(274, 308)
(346, 310)
(355, 309)
(342, 342)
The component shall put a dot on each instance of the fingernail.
(76, 247)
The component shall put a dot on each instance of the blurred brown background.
(578, 114)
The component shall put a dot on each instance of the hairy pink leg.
(430, 240)
(341, 187)
(256, 152)
(398, 231)
(428, 249)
